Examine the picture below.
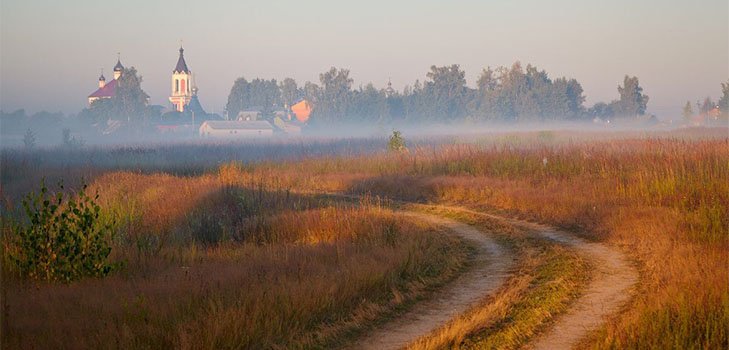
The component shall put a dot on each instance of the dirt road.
(609, 289)
(489, 271)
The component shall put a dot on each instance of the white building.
(236, 129)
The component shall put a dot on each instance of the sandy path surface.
(490, 269)
(612, 279)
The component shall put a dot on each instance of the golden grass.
(293, 272)
(664, 201)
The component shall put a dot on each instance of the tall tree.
(130, 100)
(724, 100)
(446, 94)
(238, 97)
(688, 111)
(707, 105)
(334, 96)
(632, 100)
(289, 92)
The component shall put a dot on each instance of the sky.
(51, 52)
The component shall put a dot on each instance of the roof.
(238, 125)
(118, 67)
(195, 106)
(107, 91)
(181, 66)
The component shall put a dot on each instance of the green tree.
(688, 111)
(724, 100)
(445, 94)
(290, 92)
(238, 97)
(632, 100)
(334, 96)
(130, 101)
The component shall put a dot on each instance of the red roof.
(107, 91)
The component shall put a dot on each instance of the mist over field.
(364, 175)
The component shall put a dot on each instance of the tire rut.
(490, 268)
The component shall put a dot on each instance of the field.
(307, 245)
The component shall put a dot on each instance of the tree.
(237, 98)
(445, 94)
(130, 101)
(601, 110)
(707, 105)
(724, 100)
(688, 111)
(29, 139)
(632, 100)
(290, 93)
(258, 93)
(334, 97)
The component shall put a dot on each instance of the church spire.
(181, 66)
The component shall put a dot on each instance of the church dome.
(118, 67)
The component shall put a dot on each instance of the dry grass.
(664, 201)
(293, 271)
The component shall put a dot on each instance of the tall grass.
(665, 201)
(290, 271)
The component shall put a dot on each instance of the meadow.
(225, 249)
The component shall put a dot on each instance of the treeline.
(504, 94)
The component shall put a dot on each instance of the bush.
(61, 240)
(397, 142)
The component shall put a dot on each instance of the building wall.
(206, 131)
(180, 90)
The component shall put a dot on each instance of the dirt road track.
(489, 271)
(613, 277)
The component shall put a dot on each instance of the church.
(183, 95)
(107, 90)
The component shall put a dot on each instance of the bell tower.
(181, 84)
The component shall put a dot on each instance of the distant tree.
(687, 112)
(632, 100)
(238, 97)
(601, 110)
(707, 105)
(445, 94)
(130, 101)
(724, 100)
(69, 141)
(29, 139)
(334, 96)
(289, 92)
(258, 93)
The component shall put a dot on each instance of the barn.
(236, 129)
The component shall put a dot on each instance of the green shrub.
(61, 240)
(397, 142)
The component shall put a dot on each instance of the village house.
(235, 129)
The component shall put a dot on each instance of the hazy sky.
(51, 51)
